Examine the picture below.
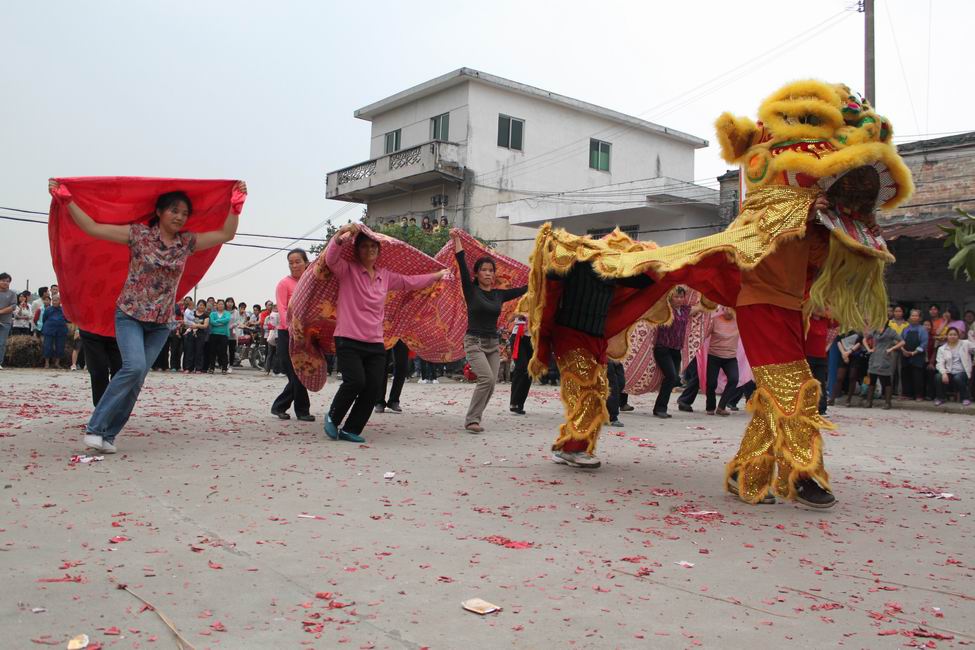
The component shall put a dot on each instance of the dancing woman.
(157, 256)
(484, 304)
(294, 392)
(361, 310)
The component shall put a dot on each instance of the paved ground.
(249, 532)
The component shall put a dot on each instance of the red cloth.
(771, 334)
(817, 336)
(91, 272)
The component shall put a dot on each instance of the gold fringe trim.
(851, 286)
(583, 392)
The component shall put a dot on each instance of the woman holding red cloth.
(158, 253)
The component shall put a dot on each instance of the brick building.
(944, 177)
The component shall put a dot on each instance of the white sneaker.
(74, 367)
(576, 459)
(107, 447)
(434, 382)
(424, 381)
(230, 370)
(94, 442)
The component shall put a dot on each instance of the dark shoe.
(626, 408)
(887, 397)
(379, 408)
(616, 423)
(517, 410)
(768, 499)
(722, 412)
(661, 415)
(307, 417)
(710, 412)
(281, 414)
(810, 493)
(732, 408)
(350, 437)
(394, 407)
(686, 408)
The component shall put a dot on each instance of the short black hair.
(168, 200)
(42, 291)
(300, 251)
(5, 276)
(361, 237)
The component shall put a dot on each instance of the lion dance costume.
(777, 262)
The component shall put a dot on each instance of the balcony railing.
(397, 171)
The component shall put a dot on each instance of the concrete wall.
(414, 120)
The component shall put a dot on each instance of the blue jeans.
(4, 333)
(833, 363)
(139, 343)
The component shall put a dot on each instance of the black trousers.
(194, 351)
(294, 391)
(693, 385)
(819, 367)
(913, 378)
(399, 357)
(617, 380)
(102, 359)
(730, 369)
(745, 390)
(362, 366)
(668, 360)
(521, 381)
(175, 351)
(218, 351)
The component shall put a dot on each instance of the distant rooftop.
(469, 74)
(947, 142)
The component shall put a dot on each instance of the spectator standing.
(235, 322)
(8, 303)
(37, 307)
(504, 361)
(294, 391)
(272, 361)
(617, 379)
(898, 323)
(930, 371)
(951, 321)
(176, 339)
(55, 333)
(969, 325)
(939, 326)
(39, 314)
(219, 335)
(882, 346)
(816, 353)
(954, 367)
(848, 344)
(194, 350)
(914, 352)
(22, 316)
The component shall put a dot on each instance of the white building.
(499, 158)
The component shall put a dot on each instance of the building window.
(631, 231)
(511, 132)
(440, 127)
(599, 154)
(392, 141)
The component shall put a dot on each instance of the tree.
(961, 236)
(427, 242)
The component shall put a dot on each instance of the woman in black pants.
(294, 392)
(102, 360)
(521, 354)
(194, 354)
(360, 312)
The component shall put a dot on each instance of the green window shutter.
(594, 154)
(504, 131)
(445, 126)
(517, 131)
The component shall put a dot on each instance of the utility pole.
(866, 7)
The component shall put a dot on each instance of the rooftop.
(462, 75)
(947, 142)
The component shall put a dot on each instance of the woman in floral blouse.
(158, 254)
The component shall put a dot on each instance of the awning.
(919, 230)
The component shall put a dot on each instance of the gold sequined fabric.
(584, 392)
(782, 443)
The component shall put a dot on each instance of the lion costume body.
(775, 263)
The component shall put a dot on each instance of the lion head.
(814, 134)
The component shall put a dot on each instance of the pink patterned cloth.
(430, 321)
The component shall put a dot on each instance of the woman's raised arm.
(108, 232)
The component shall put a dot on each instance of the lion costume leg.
(782, 443)
(582, 368)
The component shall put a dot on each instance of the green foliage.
(961, 236)
(427, 242)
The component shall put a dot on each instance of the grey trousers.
(482, 354)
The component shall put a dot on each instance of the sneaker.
(331, 430)
(626, 408)
(379, 408)
(94, 442)
(722, 412)
(350, 437)
(768, 499)
(810, 493)
(434, 381)
(938, 402)
(966, 402)
(230, 371)
(74, 367)
(686, 408)
(662, 415)
(616, 423)
(108, 447)
(394, 407)
(579, 459)
(281, 414)
(423, 381)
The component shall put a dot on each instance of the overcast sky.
(265, 91)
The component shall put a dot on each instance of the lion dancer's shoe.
(781, 452)
(582, 370)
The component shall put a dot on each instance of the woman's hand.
(846, 357)
(53, 186)
(241, 187)
(347, 231)
(442, 273)
(821, 203)
(455, 237)
(944, 378)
